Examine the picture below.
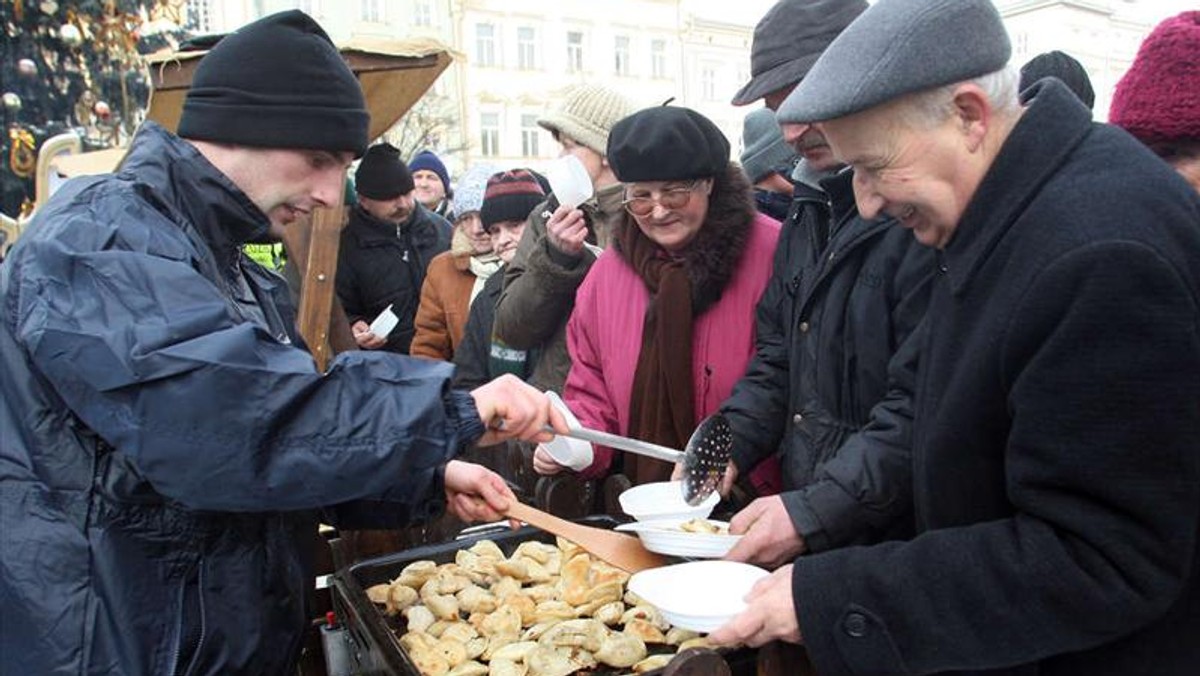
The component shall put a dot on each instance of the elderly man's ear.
(973, 114)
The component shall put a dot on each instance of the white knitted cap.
(586, 114)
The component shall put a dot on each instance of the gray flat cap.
(788, 40)
(899, 47)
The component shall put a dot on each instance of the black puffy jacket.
(381, 264)
(831, 381)
(163, 439)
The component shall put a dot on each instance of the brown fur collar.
(713, 256)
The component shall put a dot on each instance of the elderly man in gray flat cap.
(829, 389)
(1056, 473)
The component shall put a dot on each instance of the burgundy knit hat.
(510, 196)
(1158, 100)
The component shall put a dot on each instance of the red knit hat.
(1158, 100)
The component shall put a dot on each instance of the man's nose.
(793, 132)
(869, 201)
(329, 188)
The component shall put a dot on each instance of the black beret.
(666, 144)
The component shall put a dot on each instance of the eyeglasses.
(675, 198)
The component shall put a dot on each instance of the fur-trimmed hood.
(713, 255)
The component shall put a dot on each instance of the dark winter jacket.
(1056, 467)
(480, 357)
(540, 284)
(843, 301)
(381, 264)
(164, 441)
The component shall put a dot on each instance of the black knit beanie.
(510, 196)
(666, 144)
(382, 175)
(277, 83)
(1062, 66)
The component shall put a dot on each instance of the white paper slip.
(385, 322)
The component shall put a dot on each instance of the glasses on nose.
(675, 198)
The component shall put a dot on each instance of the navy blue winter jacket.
(163, 438)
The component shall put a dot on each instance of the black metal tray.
(375, 645)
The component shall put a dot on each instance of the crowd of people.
(953, 322)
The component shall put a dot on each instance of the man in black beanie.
(1062, 66)
(166, 443)
(385, 249)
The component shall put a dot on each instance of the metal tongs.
(704, 459)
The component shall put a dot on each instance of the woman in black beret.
(663, 324)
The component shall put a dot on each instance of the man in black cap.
(1062, 66)
(385, 249)
(1056, 477)
(164, 441)
(829, 387)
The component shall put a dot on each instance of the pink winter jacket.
(604, 338)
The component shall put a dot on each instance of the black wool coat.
(1056, 457)
(830, 385)
(381, 264)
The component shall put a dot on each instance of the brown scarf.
(661, 408)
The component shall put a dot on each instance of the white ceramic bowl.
(664, 500)
(665, 537)
(698, 595)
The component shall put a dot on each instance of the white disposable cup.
(573, 453)
(385, 322)
(569, 181)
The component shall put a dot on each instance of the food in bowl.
(704, 526)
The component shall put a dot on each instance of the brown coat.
(445, 303)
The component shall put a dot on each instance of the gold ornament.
(22, 159)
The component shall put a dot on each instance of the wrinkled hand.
(476, 493)
(566, 230)
(727, 481)
(544, 464)
(769, 537)
(770, 614)
(365, 339)
(512, 409)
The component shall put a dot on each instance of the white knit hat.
(468, 192)
(586, 114)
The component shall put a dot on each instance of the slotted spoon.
(704, 459)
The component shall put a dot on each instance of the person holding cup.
(689, 261)
(562, 240)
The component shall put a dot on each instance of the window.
(1021, 44)
(199, 16)
(423, 13)
(708, 82)
(370, 11)
(526, 48)
(485, 44)
(489, 134)
(529, 135)
(658, 59)
(621, 50)
(574, 51)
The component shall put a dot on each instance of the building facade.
(517, 57)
